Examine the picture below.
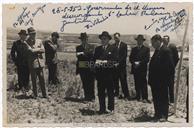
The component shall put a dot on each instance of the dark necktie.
(156, 52)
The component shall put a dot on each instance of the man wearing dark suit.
(51, 57)
(175, 56)
(104, 64)
(161, 69)
(19, 57)
(139, 59)
(85, 54)
(120, 73)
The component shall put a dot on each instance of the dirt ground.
(65, 104)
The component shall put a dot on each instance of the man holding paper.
(84, 53)
(139, 59)
(104, 64)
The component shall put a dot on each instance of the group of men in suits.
(107, 63)
(27, 54)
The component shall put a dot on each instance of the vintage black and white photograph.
(97, 64)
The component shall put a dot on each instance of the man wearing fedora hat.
(36, 61)
(51, 57)
(104, 63)
(139, 59)
(18, 55)
(84, 53)
(161, 69)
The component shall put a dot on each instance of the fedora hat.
(105, 33)
(22, 32)
(31, 30)
(83, 35)
(140, 37)
(56, 34)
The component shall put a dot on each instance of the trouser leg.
(116, 82)
(163, 98)
(155, 100)
(101, 95)
(171, 90)
(33, 74)
(91, 80)
(137, 88)
(50, 73)
(20, 80)
(124, 85)
(83, 76)
(144, 86)
(25, 77)
(87, 78)
(42, 81)
(56, 80)
(110, 91)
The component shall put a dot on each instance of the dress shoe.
(120, 97)
(110, 111)
(146, 101)
(44, 97)
(100, 112)
(170, 104)
(127, 98)
(155, 119)
(163, 119)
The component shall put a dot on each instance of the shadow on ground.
(143, 118)
(74, 99)
(87, 112)
(23, 97)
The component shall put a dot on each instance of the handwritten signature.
(26, 17)
(168, 22)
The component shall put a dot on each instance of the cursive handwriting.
(168, 22)
(39, 9)
(26, 17)
(96, 21)
(91, 15)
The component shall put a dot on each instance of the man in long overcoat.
(161, 69)
(19, 57)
